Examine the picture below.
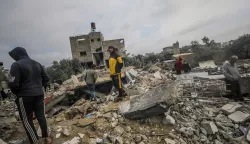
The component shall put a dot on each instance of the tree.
(63, 69)
(195, 43)
(206, 40)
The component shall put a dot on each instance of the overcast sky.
(43, 27)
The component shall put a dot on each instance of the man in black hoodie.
(26, 80)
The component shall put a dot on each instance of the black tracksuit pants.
(117, 83)
(234, 87)
(26, 106)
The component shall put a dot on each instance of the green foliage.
(63, 69)
(239, 47)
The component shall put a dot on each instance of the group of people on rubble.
(230, 71)
(179, 66)
(115, 66)
(27, 79)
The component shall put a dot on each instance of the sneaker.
(117, 99)
(241, 99)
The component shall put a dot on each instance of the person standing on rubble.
(232, 76)
(178, 66)
(115, 66)
(4, 95)
(186, 67)
(26, 80)
(90, 79)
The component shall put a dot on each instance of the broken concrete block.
(85, 122)
(119, 130)
(248, 136)
(168, 120)
(157, 75)
(74, 79)
(138, 138)
(2, 142)
(119, 140)
(210, 127)
(75, 140)
(58, 135)
(124, 106)
(230, 108)
(133, 73)
(239, 117)
(81, 135)
(151, 103)
(66, 132)
(169, 141)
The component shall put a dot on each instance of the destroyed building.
(92, 48)
(174, 49)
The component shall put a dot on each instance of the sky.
(43, 27)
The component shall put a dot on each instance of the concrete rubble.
(161, 108)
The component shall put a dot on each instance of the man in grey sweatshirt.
(90, 79)
(232, 77)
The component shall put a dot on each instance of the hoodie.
(27, 77)
(230, 71)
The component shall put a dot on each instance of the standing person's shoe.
(118, 99)
(48, 140)
(241, 99)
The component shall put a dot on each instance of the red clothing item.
(178, 65)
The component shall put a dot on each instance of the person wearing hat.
(115, 66)
(232, 76)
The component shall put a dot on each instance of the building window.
(83, 53)
(98, 39)
(92, 40)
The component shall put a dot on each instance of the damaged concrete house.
(174, 49)
(92, 48)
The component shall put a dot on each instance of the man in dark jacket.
(186, 67)
(115, 66)
(26, 80)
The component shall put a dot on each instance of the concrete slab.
(230, 108)
(239, 117)
(152, 103)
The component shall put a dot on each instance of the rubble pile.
(7, 108)
(159, 109)
(202, 87)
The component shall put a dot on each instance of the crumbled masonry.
(161, 107)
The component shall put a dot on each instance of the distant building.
(175, 49)
(92, 48)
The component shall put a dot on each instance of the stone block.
(133, 73)
(169, 141)
(210, 127)
(230, 108)
(239, 117)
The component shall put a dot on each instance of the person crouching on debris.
(232, 77)
(115, 66)
(26, 80)
(178, 66)
(186, 67)
(90, 79)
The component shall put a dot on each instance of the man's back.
(91, 76)
(27, 76)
